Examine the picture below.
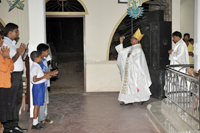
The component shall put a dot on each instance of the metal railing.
(183, 89)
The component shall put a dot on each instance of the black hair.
(177, 33)
(187, 34)
(10, 27)
(191, 39)
(34, 54)
(42, 47)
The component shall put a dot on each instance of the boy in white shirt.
(38, 78)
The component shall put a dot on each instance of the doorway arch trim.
(2, 22)
(70, 13)
(111, 36)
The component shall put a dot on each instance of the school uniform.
(43, 109)
(38, 89)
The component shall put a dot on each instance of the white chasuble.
(134, 74)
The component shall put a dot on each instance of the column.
(37, 31)
(196, 35)
(176, 16)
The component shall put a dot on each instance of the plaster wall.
(103, 15)
(187, 17)
(17, 16)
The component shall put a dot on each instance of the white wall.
(101, 75)
(176, 15)
(17, 16)
(183, 17)
(187, 17)
(102, 18)
(197, 36)
(176, 19)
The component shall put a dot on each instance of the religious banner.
(15, 3)
(134, 10)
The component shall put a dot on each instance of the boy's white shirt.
(36, 70)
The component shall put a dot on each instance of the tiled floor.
(93, 113)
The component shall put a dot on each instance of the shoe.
(12, 131)
(42, 124)
(20, 129)
(125, 104)
(47, 122)
(121, 103)
(39, 126)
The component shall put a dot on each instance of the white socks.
(35, 121)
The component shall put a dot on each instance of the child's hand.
(54, 73)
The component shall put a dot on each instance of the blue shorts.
(38, 92)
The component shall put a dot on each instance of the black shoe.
(20, 129)
(121, 103)
(39, 126)
(12, 131)
(125, 104)
(42, 124)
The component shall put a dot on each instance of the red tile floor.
(93, 113)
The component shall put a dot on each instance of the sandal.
(47, 121)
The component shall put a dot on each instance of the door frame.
(84, 39)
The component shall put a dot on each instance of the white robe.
(179, 55)
(135, 85)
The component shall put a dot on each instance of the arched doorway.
(65, 30)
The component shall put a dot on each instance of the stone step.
(167, 120)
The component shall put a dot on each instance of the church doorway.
(65, 33)
(66, 36)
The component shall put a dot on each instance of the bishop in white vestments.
(134, 72)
